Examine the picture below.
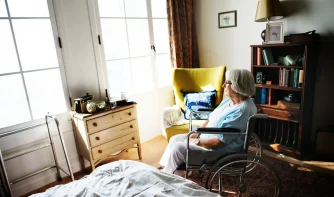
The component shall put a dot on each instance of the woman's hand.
(194, 141)
(194, 135)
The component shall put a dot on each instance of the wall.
(82, 76)
(230, 46)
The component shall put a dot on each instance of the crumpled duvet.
(128, 178)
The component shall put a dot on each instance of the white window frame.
(100, 59)
(61, 67)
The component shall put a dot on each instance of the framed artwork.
(274, 33)
(227, 19)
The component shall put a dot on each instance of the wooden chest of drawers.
(103, 134)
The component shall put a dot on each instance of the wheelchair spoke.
(240, 180)
(257, 180)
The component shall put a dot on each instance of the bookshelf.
(282, 70)
(277, 87)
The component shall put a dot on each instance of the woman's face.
(227, 89)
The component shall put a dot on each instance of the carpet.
(296, 181)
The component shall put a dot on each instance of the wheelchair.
(235, 173)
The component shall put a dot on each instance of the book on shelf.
(268, 56)
(291, 77)
(271, 97)
(264, 96)
(301, 77)
(283, 76)
(295, 78)
(280, 77)
(257, 96)
(259, 56)
(264, 59)
(287, 78)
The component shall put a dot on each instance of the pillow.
(199, 100)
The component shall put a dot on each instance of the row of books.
(291, 77)
(264, 96)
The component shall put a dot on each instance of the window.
(136, 44)
(30, 79)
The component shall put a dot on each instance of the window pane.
(35, 43)
(114, 38)
(14, 105)
(28, 8)
(46, 93)
(142, 74)
(119, 77)
(135, 8)
(8, 57)
(111, 8)
(164, 70)
(161, 37)
(3, 11)
(138, 37)
(159, 8)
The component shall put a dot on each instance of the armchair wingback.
(194, 80)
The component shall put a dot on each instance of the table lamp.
(268, 10)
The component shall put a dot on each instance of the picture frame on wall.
(274, 33)
(227, 19)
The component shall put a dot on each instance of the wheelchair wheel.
(254, 145)
(254, 148)
(229, 177)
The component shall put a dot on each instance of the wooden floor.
(152, 151)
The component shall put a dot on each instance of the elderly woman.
(233, 112)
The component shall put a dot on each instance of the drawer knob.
(129, 114)
(95, 124)
(100, 151)
(131, 126)
(259, 110)
(97, 138)
(133, 138)
(290, 115)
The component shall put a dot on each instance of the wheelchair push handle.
(202, 111)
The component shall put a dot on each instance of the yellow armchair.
(194, 80)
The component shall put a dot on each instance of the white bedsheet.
(128, 178)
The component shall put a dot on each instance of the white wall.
(226, 46)
(230, 46)
(82, 76)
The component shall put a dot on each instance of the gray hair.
(242, 81)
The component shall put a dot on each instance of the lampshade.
(268, 10)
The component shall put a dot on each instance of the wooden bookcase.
(288, 130)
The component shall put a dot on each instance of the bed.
(128, 178)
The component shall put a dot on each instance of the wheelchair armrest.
(208, 130)
(203, 129)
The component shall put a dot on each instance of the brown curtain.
(182, 34)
